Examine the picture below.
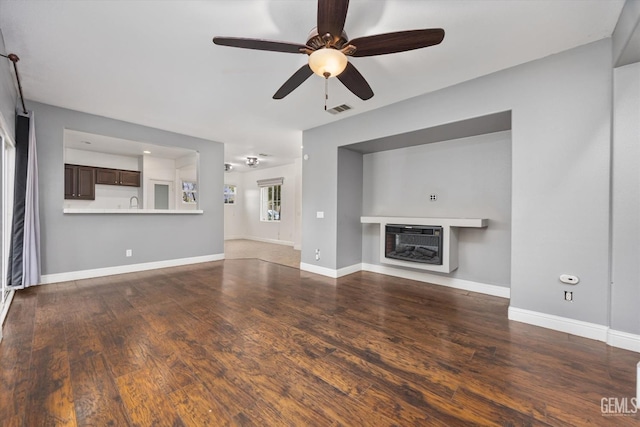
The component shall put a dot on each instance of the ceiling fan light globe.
(327, 61)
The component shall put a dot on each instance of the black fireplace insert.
(415, 243)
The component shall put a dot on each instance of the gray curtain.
(24, 257)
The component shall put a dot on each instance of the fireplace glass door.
(414, 243)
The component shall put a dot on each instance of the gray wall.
(72, 242)
(561, 124)
(471, 178)
(350, 176)
(625, 268)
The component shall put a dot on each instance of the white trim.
(324, 271)
(445, 222)
(450, 282)
(593, 331)
(624, 340)
(130, 268)
(5, 307)
(261, 239)
(350, 269)
(5, 310)
(558, 323)
(329, 272)
(134, 211)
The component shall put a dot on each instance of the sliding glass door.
(8, 165)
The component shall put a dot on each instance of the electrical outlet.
(317, 254)
(568, 296)
(129, 252)
(433, 197)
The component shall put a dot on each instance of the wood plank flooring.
(247, 342)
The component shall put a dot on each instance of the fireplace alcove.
(392, 177)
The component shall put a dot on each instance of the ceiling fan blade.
(259, 44)
(294, 81)
(354, 81)
(400, 41)
(331, 17)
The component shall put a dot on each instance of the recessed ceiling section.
(490, 123)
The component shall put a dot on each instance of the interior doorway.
(160, 195)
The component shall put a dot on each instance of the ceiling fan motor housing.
(317, 41)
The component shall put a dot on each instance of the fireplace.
(414, 243)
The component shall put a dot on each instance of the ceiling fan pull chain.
(326, 90)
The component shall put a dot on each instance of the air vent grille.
(339, 109)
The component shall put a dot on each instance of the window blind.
(271, 181)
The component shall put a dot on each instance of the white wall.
(102, 160)
(471, 178)
(242, 220)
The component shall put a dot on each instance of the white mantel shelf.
(444, 222)
(133, 211)
(450, 228)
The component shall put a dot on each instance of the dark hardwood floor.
(246, 342)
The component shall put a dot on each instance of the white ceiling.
(153, 62)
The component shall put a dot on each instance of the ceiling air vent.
(339, 109)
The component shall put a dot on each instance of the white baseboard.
(450, 282)
(234, 237)
(558, 323)
(420, 276)
(261, 239)
(593, 331)
(130, 268)
(624, 340)
(350, 269)
(330, 272)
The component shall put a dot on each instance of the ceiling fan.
(328, 47)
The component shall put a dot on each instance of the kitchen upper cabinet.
(117, 177)
(79, 182)
(131, 178)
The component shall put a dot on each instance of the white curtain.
(31, 245)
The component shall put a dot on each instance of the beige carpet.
(279, 254)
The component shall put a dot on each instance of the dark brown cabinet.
(117, 177)
(79, 182)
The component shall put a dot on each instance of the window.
(189, 192)
(229, 194)
(271, 199)
(270, 203)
